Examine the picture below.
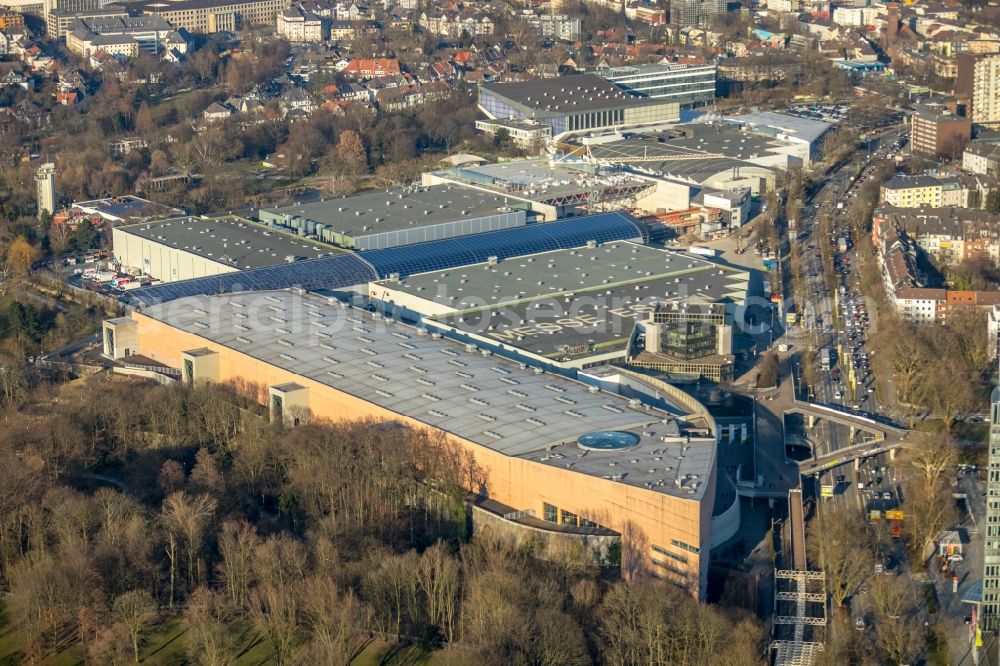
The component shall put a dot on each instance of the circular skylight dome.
(607, 440)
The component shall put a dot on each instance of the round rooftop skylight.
(607, 440)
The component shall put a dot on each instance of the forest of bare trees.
(127, 506)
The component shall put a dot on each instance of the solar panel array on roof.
(348, 270)
(505, 243)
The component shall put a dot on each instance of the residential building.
(574, 104)
(554, 26)
(982, 158)
(453, 24)
(366, 68)
(689, 85)
(950, 235)
(298, 25)
(937, 133)
(905, 284)
(206, 16)
(216, 112)
(986, 90)
(10, 19)
(45, 187)
(912, 191)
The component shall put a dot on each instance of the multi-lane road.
(838, 319)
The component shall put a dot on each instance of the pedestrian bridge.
(888, 437)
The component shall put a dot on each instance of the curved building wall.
(662, 535)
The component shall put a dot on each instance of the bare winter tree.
(835, 546)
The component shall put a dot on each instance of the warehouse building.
(347, 271)
(567, 309)
(572, 456)
(708, 139)
(782, 126)
(574, 105)
(383, 219)
(195, 247)
(553, 189)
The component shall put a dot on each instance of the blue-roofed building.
(341, 271)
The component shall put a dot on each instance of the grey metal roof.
(566, 272)
(801, 128)
(571, 303)
(542, 179)
(910, 182)
(230, 240)
(484, 399)
(346, 270)
(380, 211)
(693, 139)
(568, 94)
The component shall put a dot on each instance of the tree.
(144, 123)
(392, 588)
(558, 640)
(351, 152)
(185, 519)
(833, 539)
(20, 257)
(85, 237)
(209, 641)
(769, 369)
(275, 612)
(933, 456)
(950, 394)
(930, 509)
(334, 620)
(993, 201)
(437, 576)
(134, 610)
(898, 635)
(237, 544)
